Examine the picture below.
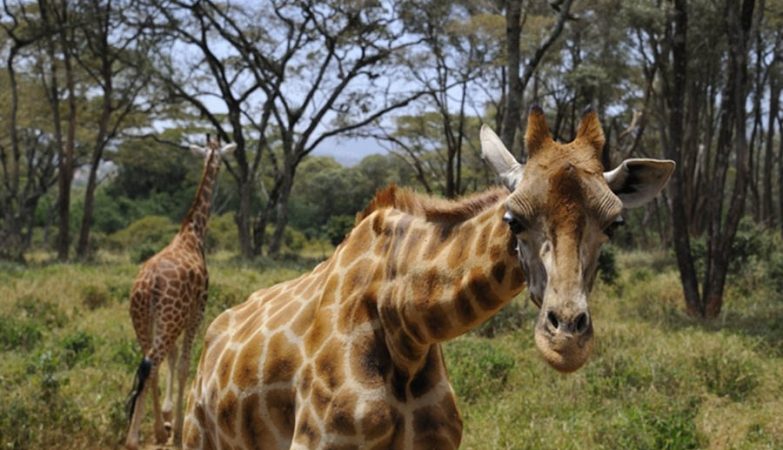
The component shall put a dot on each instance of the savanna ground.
(657, 379)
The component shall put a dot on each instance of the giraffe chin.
(564, 355)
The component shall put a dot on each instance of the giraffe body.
(167, 301)
(348, 356)
(325, 360)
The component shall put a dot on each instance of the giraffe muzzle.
(564, 339)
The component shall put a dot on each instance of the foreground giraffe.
(348, 356)
(168, 300)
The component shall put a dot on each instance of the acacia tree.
(114, 58)
(57, 44)
(309, 72)
(27, 156)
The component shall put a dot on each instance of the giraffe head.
(562, 209)
(213, 152)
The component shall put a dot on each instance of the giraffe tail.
(138, 385)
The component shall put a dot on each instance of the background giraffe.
(348, 356)
(168, 300)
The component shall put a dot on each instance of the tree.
(27, 155)
(297, 80)
(115, 59)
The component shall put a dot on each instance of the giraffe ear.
(637, 181)
(502, 161)
(198, 151)
(228, 149)
(590, 130)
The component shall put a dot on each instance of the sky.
(348, 151)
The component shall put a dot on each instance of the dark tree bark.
(55, 20)
(513, 106)
(739, 21)
(769, 150)
(674, 150)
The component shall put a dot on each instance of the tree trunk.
(674, 150)
(281, 212)
(242, 219)
(769, 152)
(512, 113)
(739, 24)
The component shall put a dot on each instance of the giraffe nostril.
(552, 319)
(581, 322)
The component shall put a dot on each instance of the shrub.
(337, 227)
(728, 375)
(150, 232)
(222, 233)
(295, 240)
(41, 311)
(77, 347)
(18, 334)
(127, 354)
(143, 253)
(94, 297)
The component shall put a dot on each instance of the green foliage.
(144, 237)
(338, 227)
(728, 374)
(509, 319)
(126, 353)
(45, 312)
(16, 334)
(294, 240)
(94, 297)
(478, 367)
(77, 347)
(222, 234)
(652, 427)
(24, 329)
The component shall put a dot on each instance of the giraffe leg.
(161, 436)
(136, 404)
(182, 372)
(168, 404)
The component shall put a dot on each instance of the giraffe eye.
(513, 223)
(612, 227)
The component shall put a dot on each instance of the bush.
(77, 347)
(337, 227)
(148, 233)
(728, 375)
(94, 297)
(19, 334)
(222, 234)
(41, 311)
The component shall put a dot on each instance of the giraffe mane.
(431, 208)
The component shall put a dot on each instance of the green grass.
(657, 379)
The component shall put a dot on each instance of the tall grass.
(657, 379)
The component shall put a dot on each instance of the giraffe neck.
(443, 279)
(195, 222)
